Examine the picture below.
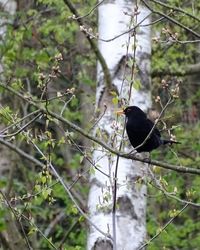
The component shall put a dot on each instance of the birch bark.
(11, 237)
(10, 8)
(127, 227)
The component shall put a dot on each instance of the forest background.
(48, 109)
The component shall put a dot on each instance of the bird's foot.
(132, 152)
(147, 159)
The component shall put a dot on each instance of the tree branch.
(171, 19)
(93, 45)
(176, 9)
(65, 186)
(163, 228)
(176, 168)
(188, 70)
(38, 163)
(95, 7)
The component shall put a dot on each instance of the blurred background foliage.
(41, 31)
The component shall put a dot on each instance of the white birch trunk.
(131, 196)
(11, 235)
(10, 8)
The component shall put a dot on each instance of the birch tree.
(9, 8)
(45, 79)
(117, 198)
(10, 238)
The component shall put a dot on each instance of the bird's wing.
(151, 124)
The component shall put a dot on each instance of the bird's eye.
(128, 110)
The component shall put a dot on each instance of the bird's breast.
(136, 131)
(137, 126)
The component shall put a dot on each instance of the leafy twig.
(176, 9)
(176, 168)
(95, 7)
(171, 19)
(93, 45)
(163, 228)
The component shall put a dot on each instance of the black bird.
(138, 127)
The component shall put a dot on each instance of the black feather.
(138, 127)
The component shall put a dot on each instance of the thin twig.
(22, 128)
(93, 45)
(69, 192)
(170, 195)
(38, 230)
(86, 15)
(54, 222)
(176, 9)
(127, 31)
(163, 228)
(98, 120)
(17, 217)
(176, 168)
(19, 121)
(67, 233)
(171, 19)
(86, 157)
(158, 119)
(167, 194)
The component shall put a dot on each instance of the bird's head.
(132, 111)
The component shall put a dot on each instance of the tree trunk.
(122, 217)
(10, 238)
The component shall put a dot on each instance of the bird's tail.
(170, 142)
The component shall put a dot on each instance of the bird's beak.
(120, 112)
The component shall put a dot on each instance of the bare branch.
(188, 70)
(95, 7)
(93, 45)
(167, 194)
(176, 168)
(171, 19)
(176, 9)
(21, 152)
(19, 121)
(62, 182)
(67, 189)
(163, 228)
(22, 128)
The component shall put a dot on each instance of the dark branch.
(172, 20)
(188, 70)
(92, 44)
(176, 168)
(176, 9)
